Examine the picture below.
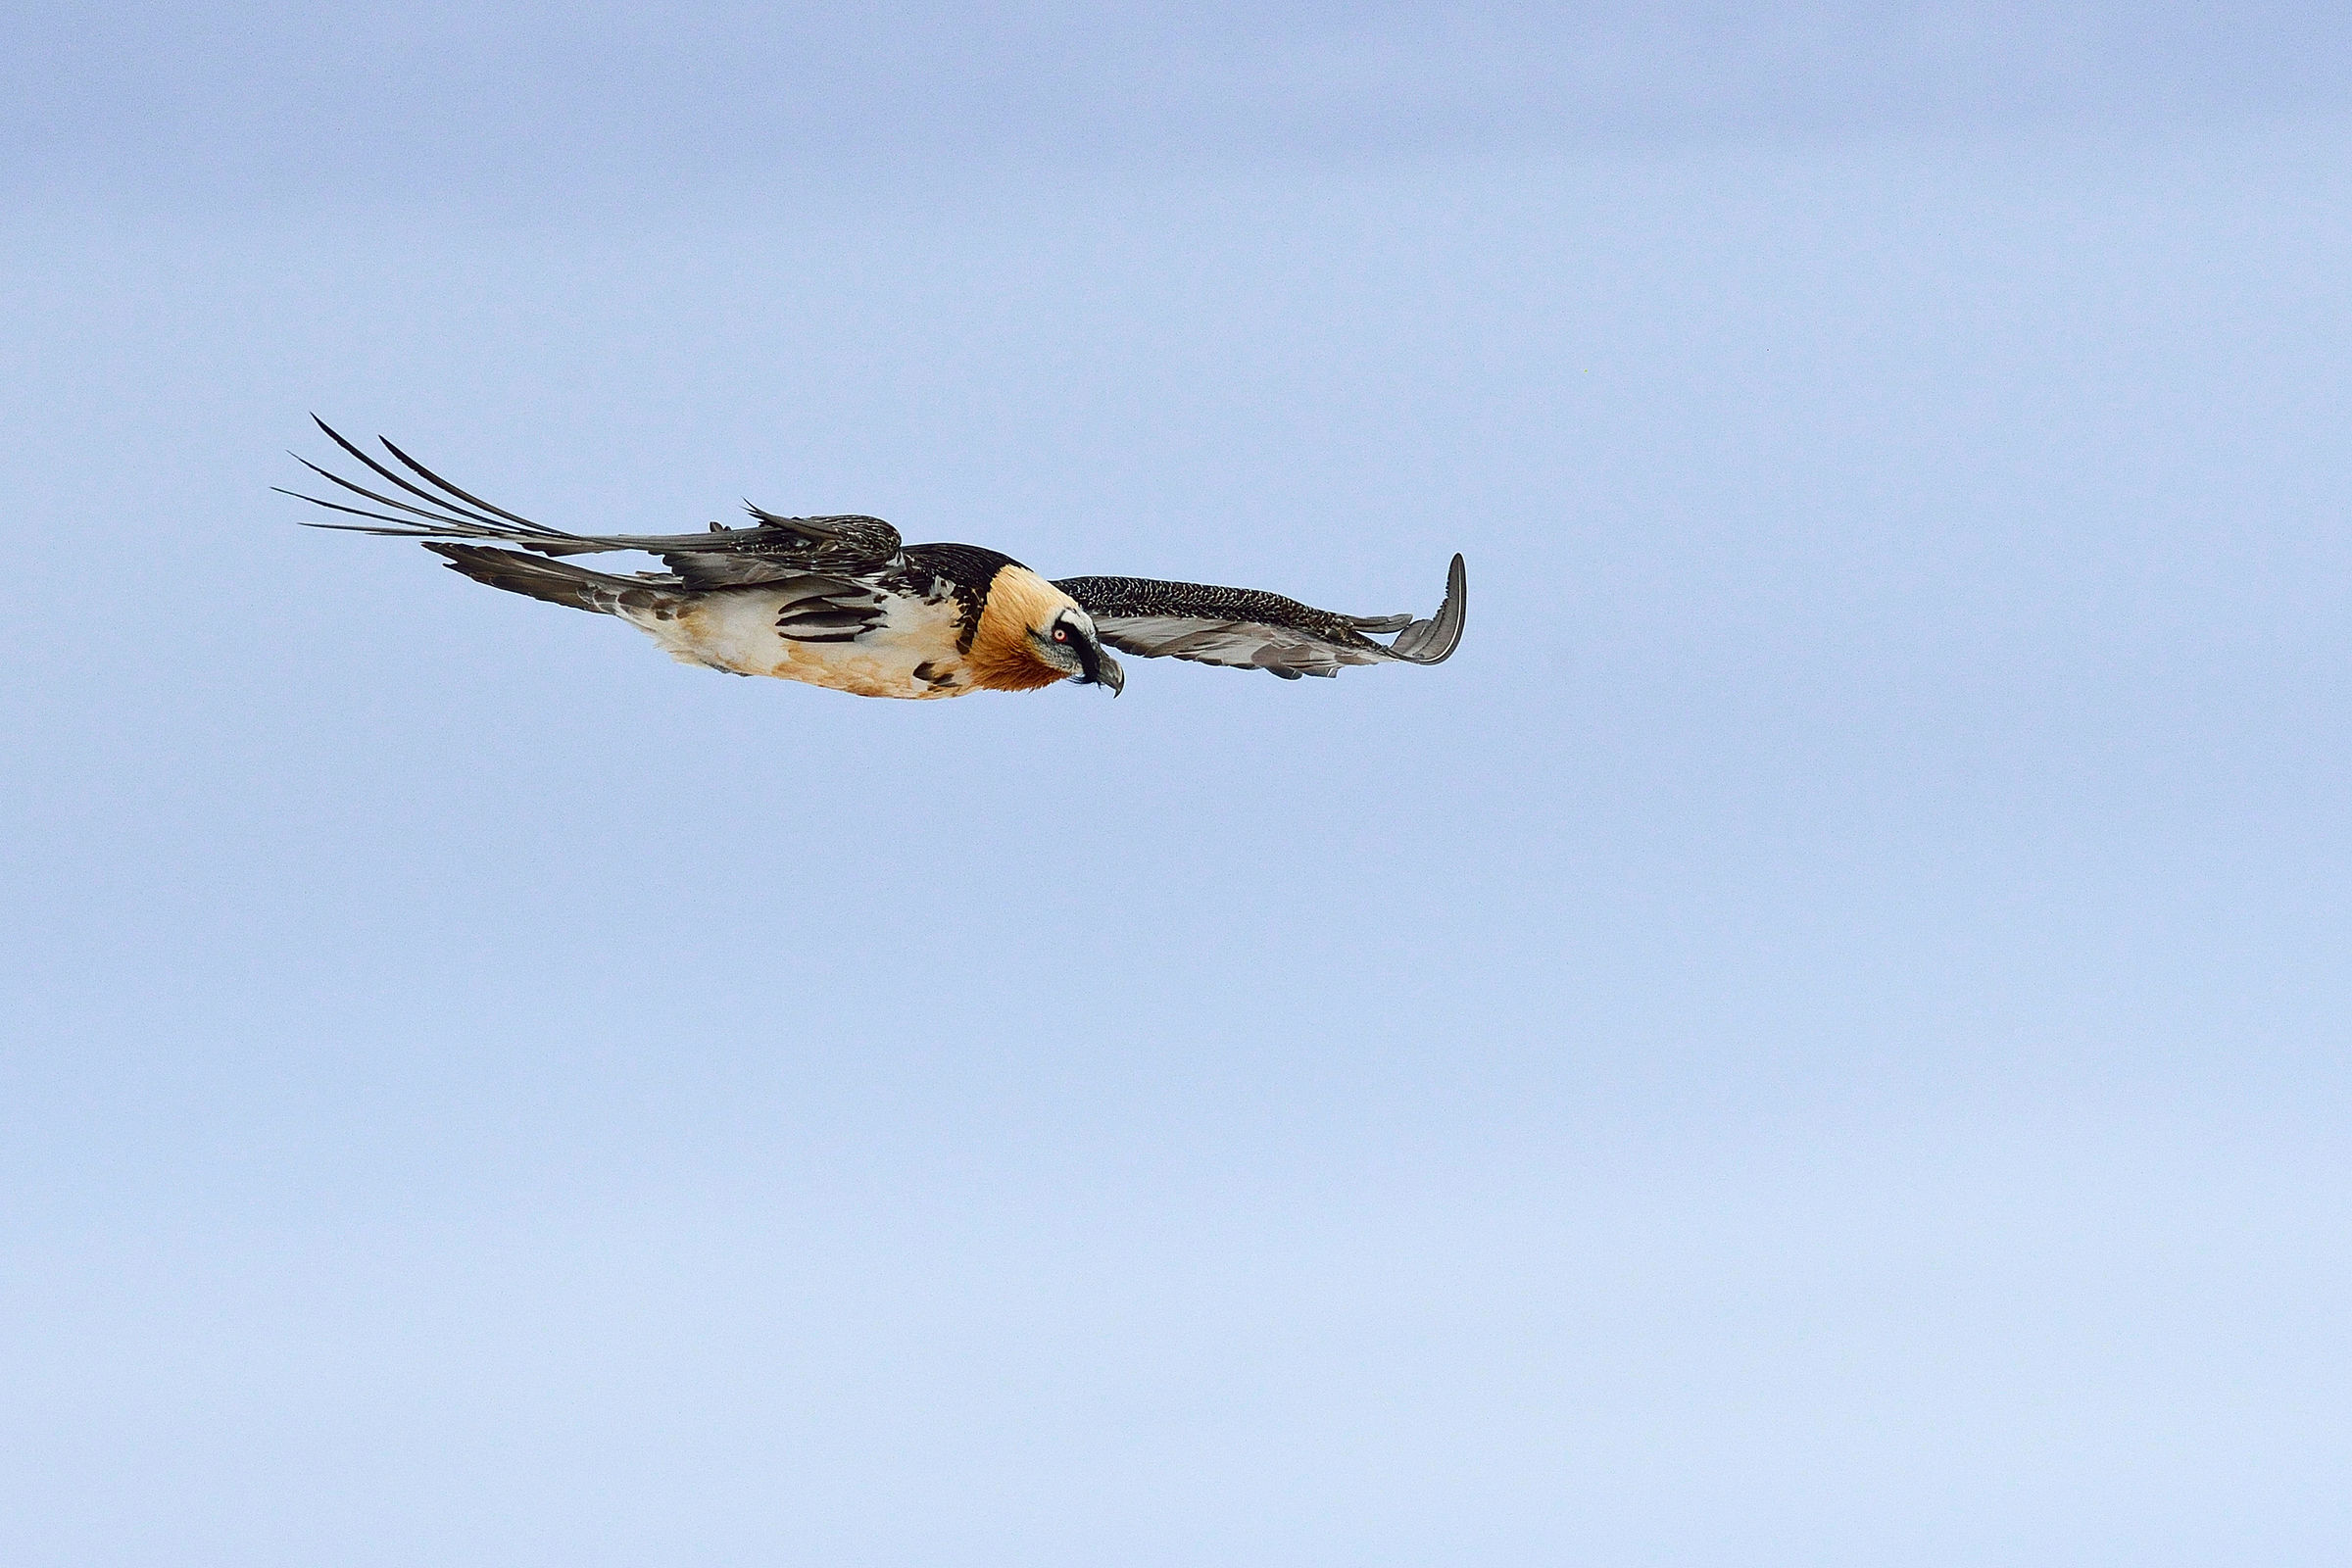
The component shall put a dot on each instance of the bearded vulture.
(841, 603)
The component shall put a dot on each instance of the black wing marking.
(771, 548)
(1245, 629)
(829, 610)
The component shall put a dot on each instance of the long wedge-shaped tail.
(558, 582)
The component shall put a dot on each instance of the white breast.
(736, 630)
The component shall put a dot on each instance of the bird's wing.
(771, 548)
(1247, 629)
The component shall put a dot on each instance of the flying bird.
(841, 602)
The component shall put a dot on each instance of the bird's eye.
(1062, 634)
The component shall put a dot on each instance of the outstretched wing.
(1247, 629)
(771, 548)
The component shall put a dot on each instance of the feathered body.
(944, 620)
(840, 602)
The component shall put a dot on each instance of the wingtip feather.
(1433, 641)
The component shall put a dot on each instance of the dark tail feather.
(553, 581)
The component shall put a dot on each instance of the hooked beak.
(1095, 667)
(1106, 673)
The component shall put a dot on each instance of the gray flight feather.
(1243, 628)
(773, 547)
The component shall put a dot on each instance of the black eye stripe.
(1068, 633)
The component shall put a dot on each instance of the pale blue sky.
(1818, 1038)
(607, 104)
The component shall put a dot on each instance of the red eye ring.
(1060, 636)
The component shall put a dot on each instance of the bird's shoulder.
(965, 572)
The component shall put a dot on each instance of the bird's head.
(1033, 634)
(1068, 643)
